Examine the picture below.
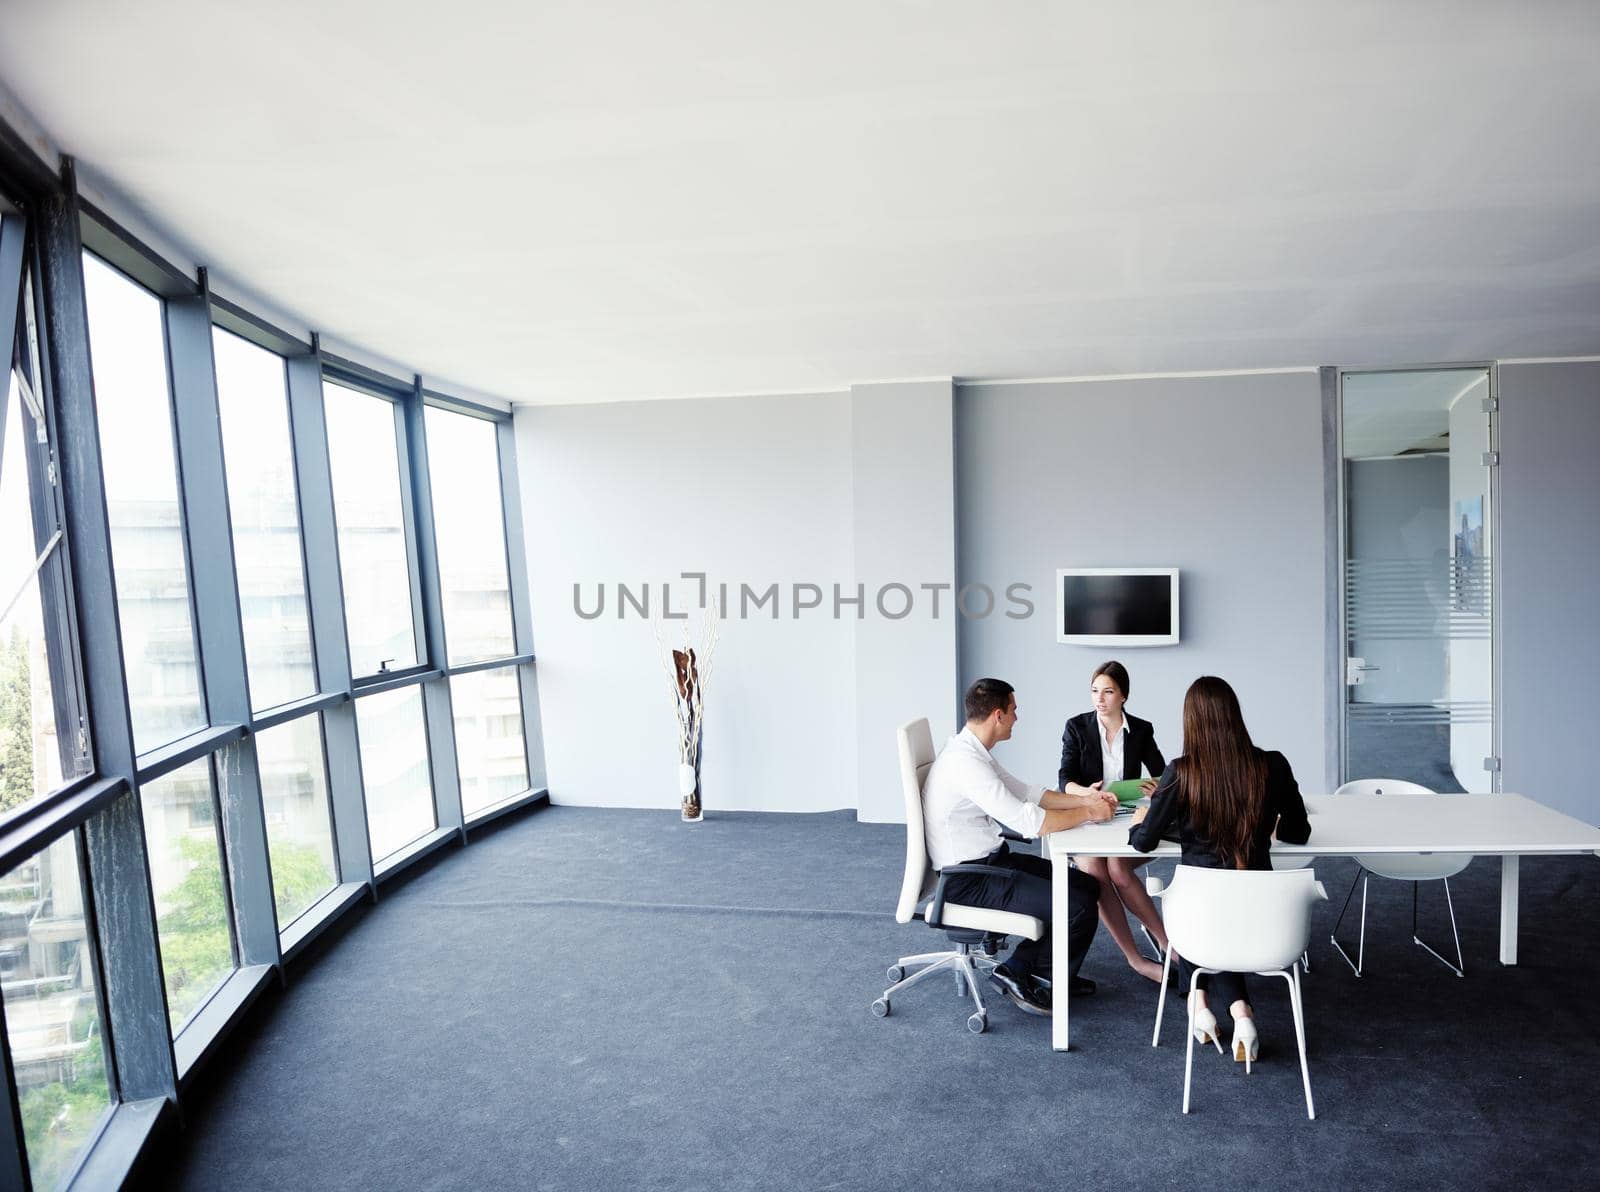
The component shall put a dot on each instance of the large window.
(193, 922)
(464, 465)
(394, 769)
(489, 741)
(373, 561)
(127, 343)
(47, 973)
(294, 795)
(265, 513)
(40, 742)
(135, 879)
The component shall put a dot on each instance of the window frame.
(208, 721)
(49, 228)
(319, 685)
(363, 381)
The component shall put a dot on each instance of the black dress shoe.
(1081, 987)
(1023, 993)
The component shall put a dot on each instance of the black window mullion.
(13, 256)
(325, 593)
(118, 870)
(417, 480)
(407, 457)
(521, 603)
(218, 626)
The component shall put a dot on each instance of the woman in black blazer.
(1109, 730)
(1222, 801)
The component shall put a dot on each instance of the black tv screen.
(1128, 607)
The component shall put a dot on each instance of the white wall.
(754, 490)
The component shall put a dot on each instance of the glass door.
(1417, 553)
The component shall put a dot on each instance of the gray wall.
(1219, 476)
(1550, 582)
(903, 462)
(1222, 477)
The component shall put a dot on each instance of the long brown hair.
(1222, 776)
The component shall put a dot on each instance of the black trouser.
(1222, 989)
(1026, 890)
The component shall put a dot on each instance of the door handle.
(1355, 671)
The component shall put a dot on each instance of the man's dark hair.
(988, 696)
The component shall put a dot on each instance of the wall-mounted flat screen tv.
(1117, 606)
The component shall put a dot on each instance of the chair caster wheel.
(880, 1008)
(978, 1023)
(896, 974)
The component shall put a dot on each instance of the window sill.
(123, 1144)
(198, 1041)
(526, 799)
(325, 912)
(415, 851)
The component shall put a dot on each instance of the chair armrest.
(934, 915)
(1154, 886)
(1008, 834)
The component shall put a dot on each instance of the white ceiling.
(590, 201)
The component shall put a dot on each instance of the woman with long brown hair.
(1222, 801)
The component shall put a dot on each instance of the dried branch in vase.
(688, 670)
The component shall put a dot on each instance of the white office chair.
(1242, 921)
(1283, 863)
(975, 930)
(1404, 867)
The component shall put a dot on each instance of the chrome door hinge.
(1491, 459)
(1491, 404)
(1492, 764)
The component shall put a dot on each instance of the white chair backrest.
(916, 758)
(1382, 786)
(1240, 920)
(1404, 867)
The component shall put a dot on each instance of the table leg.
(1509, 866)
(1059, 962)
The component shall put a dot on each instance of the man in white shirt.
(966, 797)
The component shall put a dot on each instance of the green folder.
(1126, 791)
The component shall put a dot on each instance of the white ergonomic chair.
(1243, 921)
(975, 930)
(1404, 867)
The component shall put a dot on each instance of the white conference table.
(1507, 826)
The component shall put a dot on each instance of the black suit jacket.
(1080, 751)
(1283, 811)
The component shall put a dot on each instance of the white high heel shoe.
(1205, 1022)
(1246, 1043)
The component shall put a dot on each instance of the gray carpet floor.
(596, 999)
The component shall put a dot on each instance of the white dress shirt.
(966, 792)
(1111, 755)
